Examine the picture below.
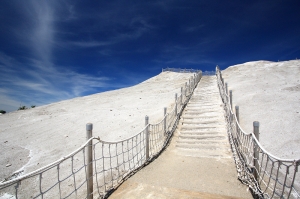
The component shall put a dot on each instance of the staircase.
(202, 130)
(198, 162)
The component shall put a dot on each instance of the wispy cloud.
(39, 85)
(34, 78)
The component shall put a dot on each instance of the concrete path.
(198, 163)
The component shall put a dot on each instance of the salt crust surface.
(36, 137)
(269, 92)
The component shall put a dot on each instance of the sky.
(53, 50)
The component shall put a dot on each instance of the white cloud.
(34, 77)
(37, 84)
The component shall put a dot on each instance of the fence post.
(165, 120)
(226, 87)
(89, 134)
(175, 103)
(181, 91)
(185, 90)
(230, 96)
(194, 80)
(147, 137)
(256, 151)
(237, 113)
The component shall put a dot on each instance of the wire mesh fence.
(267, 175)
(77, 176)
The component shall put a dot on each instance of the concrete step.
(191, 118)
(204, 142)
(187, 109)
(201, 147)
(210, 128)
(203, 128)
(200, 122)
(203, 106)
(203, 153)
(202, 113)
(202, 137)
(202, 132)
(203, 119)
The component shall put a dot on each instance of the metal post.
(226, 88)
(165, 120)
(256, 151)
(147, 137)
(89, 134)
(175, 103)
(230, 96)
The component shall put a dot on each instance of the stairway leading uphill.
(197, 163)
(202, 129)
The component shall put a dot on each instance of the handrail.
(113, 161)
(266, 175)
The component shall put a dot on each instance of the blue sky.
(61, 49)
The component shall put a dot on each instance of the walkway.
(198, 163)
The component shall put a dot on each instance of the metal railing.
(98, 167)
(267, 175)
